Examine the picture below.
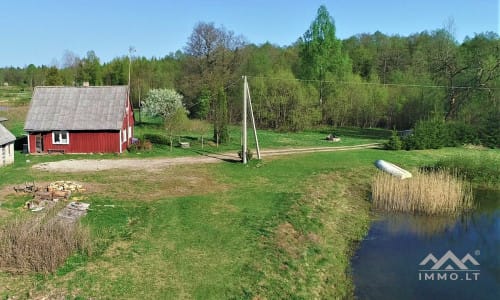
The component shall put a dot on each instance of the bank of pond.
(412, 253)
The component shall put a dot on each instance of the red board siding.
(82, 142)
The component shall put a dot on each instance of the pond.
(394, 261)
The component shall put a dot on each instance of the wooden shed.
(7, 140)
(80, 120)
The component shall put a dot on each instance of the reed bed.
(429, 193)
(40, 243)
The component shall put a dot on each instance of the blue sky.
(39, 31)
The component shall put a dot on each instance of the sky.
(40, 31)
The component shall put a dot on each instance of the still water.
(387, 263)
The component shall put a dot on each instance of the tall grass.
(481, 167)
(40, 243)
(430, 193)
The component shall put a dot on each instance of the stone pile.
(52, 193)
(65, 186)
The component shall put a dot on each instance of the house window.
(60, 137)
(124, 136)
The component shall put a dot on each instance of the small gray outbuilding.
(7, 140)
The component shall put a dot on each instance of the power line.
(374, 83)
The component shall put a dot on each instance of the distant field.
(13, 95)
(14, 103)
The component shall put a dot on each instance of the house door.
(38, 143)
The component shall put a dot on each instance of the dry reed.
(425, 193)
(40, 243)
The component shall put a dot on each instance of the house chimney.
(86, 84)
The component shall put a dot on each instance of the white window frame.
(61, 140)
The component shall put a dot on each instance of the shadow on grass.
(373, 133)
(217, 155)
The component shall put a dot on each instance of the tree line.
(367, 80)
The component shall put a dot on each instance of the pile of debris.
(48, 195)
(73, 211)
(65, 186)
(333, 138)
(26, 188)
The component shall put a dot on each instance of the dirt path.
(155, 164)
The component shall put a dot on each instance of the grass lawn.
(152, 129)
(284, 227)
(280, 228)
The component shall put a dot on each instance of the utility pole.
(253, 122)
(131, 49)
(245, 100)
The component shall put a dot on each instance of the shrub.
(427, 134)
(40, 244)
(460, 133)
(489, 131)
(394, 142)
(140, 145)
(249, 154)
(435, 133)
(156, 138)
(481, 167)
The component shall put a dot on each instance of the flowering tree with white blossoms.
(162, 102)
(167, 103)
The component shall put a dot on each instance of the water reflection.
(419, 225)
(386, 265)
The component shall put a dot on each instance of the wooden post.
(245, 100)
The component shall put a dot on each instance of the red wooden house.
(80, 120)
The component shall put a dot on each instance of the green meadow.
(279, 228)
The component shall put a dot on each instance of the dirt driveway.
(155, 164)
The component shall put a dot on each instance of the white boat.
(392, 169)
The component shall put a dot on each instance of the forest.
(367, 80)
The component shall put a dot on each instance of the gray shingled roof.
(77, 108)
(5, 136)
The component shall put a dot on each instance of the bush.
(481, 167)
(460, 133)
(157, 138)
(427, 134)
(489, 131)
(435, 133)
(140, 145)
(394, 142)
(249, 154)
(40, 244)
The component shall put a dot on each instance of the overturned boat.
(392, 169)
